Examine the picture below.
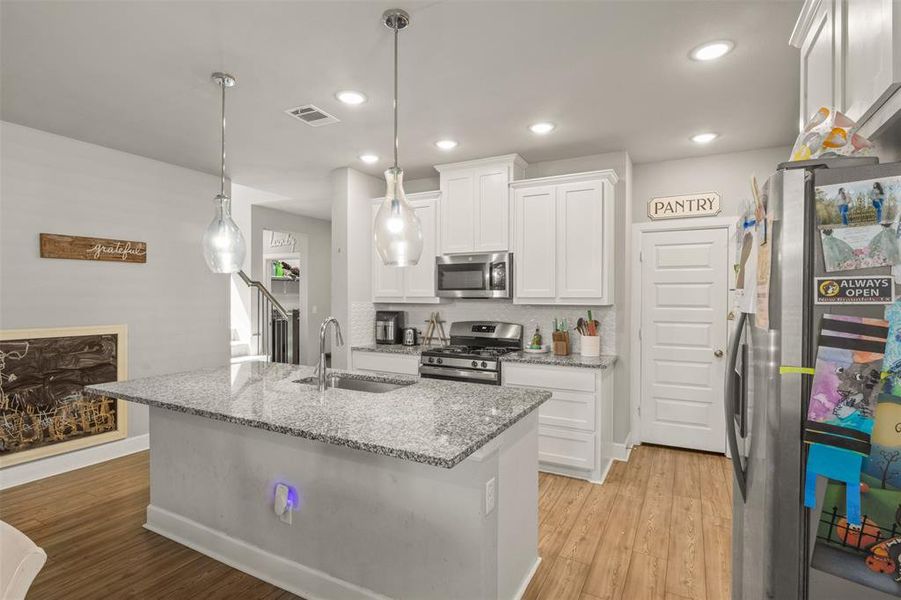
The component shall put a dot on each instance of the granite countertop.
(390, 349)
(603, 361)
(431, 421)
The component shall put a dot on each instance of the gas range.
(473, 353)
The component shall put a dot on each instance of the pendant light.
(397, 230)
(223, 244)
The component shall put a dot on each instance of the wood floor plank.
(687, 477)
(547, 496)
(565, 580)
(610, 565)
(716, 501)
(554, 529)
(586, 533)
(617, 472)
(638, 472)
(685, 573)
(717, 561)
(652, 536)
(646, 579)
(662, 473)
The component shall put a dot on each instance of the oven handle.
(450, 372)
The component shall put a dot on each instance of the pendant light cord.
(222, 170)
(395, 91)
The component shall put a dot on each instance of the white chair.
(20, 562)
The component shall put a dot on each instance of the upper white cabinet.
(850, 59)
(410, 284)
(475, 204)
(563, 239)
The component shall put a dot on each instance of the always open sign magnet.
(875, 289)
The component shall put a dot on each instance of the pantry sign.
(876, 289)
(681, 207)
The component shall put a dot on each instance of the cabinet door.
(583, 239)
(818, 66)
(457, 211)
(492, 222)
(419, 281)
(387, 282)
(869, 69)
(534, 268)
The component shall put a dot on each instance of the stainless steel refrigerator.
(773, 534)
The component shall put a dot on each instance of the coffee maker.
(389, 325)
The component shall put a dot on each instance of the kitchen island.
(425, 491)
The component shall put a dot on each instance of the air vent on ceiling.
(312, 115)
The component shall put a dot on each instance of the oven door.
(467, 375)
(474, 275)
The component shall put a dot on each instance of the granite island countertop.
(431, 421)
(604, 361)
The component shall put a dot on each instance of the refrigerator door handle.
(730, 399)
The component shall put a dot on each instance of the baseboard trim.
(528, 579)
(620, 452)
(294, 577)
(61, 463)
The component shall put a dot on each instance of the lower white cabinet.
(574, 426)
(385, 362)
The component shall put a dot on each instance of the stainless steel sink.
(357, 384)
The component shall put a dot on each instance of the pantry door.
(684, 299)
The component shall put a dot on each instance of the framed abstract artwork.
(42, 374)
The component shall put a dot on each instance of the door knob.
(718, 353)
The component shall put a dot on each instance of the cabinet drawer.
(558, 378)
(569, 409)
(386, 363)
(566, 448)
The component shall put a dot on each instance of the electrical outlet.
(490, 495)
(284, 503)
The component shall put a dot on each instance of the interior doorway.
(682, 281)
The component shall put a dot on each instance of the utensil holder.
(590, 345)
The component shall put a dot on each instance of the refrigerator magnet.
(873, 289)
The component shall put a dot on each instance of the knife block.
(561, 343)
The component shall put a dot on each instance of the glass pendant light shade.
(223, 243)
(397, 230)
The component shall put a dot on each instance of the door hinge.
(640, 257)
(639, 334)
(639, 410)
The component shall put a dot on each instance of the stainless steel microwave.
(474, 275)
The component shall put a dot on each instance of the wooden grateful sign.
(88, 248)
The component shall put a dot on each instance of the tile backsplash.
(363, 316)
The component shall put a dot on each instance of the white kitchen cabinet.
(563, 239)
(417, 283)
(475, 204)
(575, 432)
(850, 59)
(385, 362)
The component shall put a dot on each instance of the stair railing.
(277, 329)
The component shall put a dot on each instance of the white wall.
(352, 193)
(315, 266)
(727, 174)
(176, 310)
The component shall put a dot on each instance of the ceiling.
(134, 76)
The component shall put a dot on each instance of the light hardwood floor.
(659, 528)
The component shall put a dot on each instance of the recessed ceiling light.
(704, 138)
(369, 159)
(542, 128)
(351, 97)
(712, 50)
(447, 144)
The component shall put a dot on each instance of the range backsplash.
(363, 318)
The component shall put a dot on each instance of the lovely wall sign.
(89, 248)
(688, 205)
